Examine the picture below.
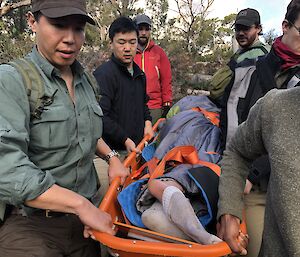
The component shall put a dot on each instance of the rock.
(197, 92)
(199, 78)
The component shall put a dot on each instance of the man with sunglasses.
(271, 131)
(236, 101)
(152, 59)
(247, 30)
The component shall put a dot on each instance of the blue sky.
(271, 11)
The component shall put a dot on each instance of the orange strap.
(152, 164)
(213, 117)
(183, 154)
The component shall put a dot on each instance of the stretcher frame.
(128, 247)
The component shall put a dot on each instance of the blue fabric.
(127, 199)
(191, 101)
(148, 151)
(190, 128)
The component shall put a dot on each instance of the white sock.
(179, 210)
(156, 219)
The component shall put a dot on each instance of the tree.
(192, 15)
(124, 7)
(158, 10)
(15, 37)
(270, 36)
(9, 6)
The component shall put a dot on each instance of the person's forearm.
(60, 199)
(102, 148)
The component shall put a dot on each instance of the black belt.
(49, 213)
(39, 212)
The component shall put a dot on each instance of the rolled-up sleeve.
(20, 178)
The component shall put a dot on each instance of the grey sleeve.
(20, 179)
(245, 146)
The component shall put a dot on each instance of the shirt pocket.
(51, 132)
(96, 115)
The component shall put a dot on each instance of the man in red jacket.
(154, 62)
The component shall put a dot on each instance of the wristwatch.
(110, 155)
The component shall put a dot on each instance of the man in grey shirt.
(271, 128)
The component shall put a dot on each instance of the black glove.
(165, 110)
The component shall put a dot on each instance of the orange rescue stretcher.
(148, 243)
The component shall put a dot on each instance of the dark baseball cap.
(61, 8)
(142, 19)
(247, 17)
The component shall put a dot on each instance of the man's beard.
(143, 41)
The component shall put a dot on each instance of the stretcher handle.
(104, 206)
(141, 145)
(109, 195)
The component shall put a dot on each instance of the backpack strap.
(34, 86)
(261, 47)
(233, 63)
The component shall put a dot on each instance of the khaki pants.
(155, 114)
(102, 167)
(255, 204)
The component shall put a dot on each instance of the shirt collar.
(136, 70)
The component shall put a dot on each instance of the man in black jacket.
(123, 90)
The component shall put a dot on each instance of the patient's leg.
(157, 220)
(179, 210)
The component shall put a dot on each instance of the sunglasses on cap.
(239, 27)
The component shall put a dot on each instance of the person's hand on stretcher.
(229, 230)
(117, 169)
